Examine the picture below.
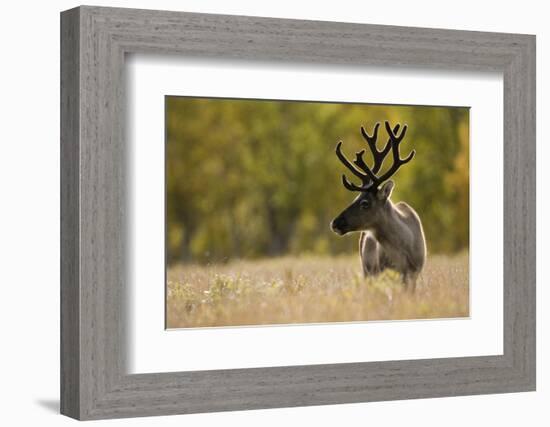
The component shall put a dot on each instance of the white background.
(29, 218)
(152, 349)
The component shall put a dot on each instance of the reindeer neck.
(388, 224)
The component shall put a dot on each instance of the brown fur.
(391, 234)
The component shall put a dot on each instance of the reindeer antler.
(366, 174)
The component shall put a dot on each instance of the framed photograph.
(262, 249)
(261, 213)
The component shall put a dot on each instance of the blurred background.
(254, 178)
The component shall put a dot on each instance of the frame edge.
(70, 395)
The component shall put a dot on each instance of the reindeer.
(391, 234)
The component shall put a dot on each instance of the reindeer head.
(367, 208)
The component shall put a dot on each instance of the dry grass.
(311, 289)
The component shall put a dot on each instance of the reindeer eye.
(364, 204)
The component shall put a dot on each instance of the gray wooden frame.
(94, 382)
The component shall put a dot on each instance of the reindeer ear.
(384, 192)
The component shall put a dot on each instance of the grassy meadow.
(310, 289)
